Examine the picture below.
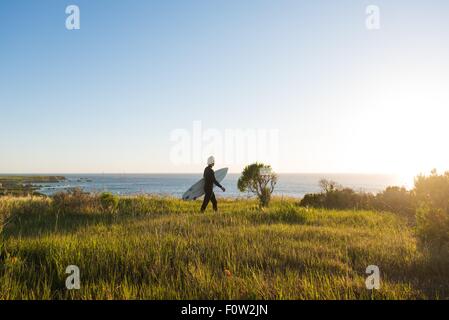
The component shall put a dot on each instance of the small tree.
(328, 186)
(259, 179)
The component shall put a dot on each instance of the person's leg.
(207, 197)
(214, 201)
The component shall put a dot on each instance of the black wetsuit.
(209, 181)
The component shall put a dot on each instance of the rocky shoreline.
(17, 185)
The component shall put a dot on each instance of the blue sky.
(107, 97)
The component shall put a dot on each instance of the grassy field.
(160, 248)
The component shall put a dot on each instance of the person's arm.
(216, 182)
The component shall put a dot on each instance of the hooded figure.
(209, 181)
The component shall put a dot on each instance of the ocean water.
(291, 185)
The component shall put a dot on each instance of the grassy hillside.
(154, 248)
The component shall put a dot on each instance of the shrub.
(109, 202)
(433, 228)
(333, 196)
(397, 200)
(73, 201)
(314, 200)
(432, 216)
(433, 190)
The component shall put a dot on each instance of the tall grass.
(161, 248)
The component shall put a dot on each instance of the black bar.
(228, 309)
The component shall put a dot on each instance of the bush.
(433, 190)
(333, 196)
(74, 201)
(432, 216)
(433, 228)
(397, 200)
(109, 202)
(314, 200)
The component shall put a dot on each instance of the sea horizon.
(175, 184)
(185, 172)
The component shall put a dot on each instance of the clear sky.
(109, 97)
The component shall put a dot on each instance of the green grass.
(160, 248)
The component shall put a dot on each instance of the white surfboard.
(197, 190)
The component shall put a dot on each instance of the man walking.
(209, 181)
